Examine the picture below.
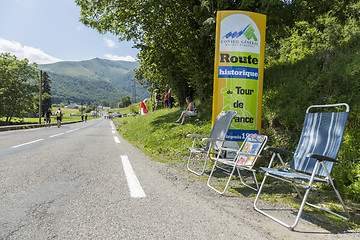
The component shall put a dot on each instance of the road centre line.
(56, 135)
(135, 188)
(117, 140)
(38, 140)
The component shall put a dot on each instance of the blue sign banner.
(238, 72)
(239, 135)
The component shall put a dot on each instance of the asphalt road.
(83, 181)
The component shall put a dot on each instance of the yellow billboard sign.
(239, 70)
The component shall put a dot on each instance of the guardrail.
(27, 126)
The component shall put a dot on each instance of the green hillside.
(92, 81)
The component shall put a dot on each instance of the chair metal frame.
(320, 173)
(235, 164)
(213, 142)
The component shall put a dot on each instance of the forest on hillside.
(91, 81)
(311, 57)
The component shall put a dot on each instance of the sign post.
(239, 70)
(40, 95)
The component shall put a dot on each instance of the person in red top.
(166, 99)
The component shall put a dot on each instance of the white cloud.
(116, 58)
(110, 43)
(31, 53)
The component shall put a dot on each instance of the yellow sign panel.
(239, 70)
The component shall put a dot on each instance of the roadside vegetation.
(157, 134)
(18, 86)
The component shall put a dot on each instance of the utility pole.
(134, 91)
(40, 96)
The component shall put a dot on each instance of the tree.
(104, 103)
(176, 38)
(18, 86)
(81, 109)
(46, 101)
(125, 101)
(159, 28)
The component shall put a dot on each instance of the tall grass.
(158, 136)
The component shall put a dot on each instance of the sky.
(48, 31)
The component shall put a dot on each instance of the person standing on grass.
(59, 116)
(170, 101)
(48, 114)
(156, 99)
(191, 110)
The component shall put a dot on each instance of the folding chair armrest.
(207, 139)
(278, 150)
(321, 157)
(195, 135)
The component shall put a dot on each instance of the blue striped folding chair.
(313, 159)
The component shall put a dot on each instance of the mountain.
(93, 81)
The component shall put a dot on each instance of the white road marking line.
(113, 131)
(28, 143)
(56, 135)
(69, 131)
(117, 140)
(135, 188)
